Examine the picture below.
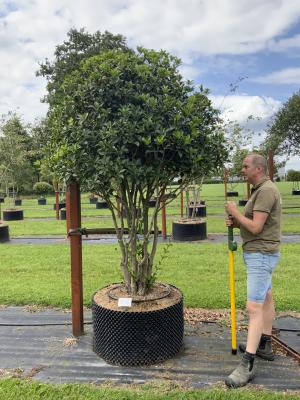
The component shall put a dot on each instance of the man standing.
(260, 232)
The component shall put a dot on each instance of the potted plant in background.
(193, 226)
(42, 189)
(125, 127)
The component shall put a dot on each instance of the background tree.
(293, 176)
(283, 134)
(126, 126)
(16, 169)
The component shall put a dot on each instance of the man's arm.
(254, 225)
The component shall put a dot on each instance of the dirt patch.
(151, 302)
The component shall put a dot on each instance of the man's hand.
(231, 208)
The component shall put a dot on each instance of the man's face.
(249, 170)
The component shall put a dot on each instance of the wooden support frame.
(74, 222)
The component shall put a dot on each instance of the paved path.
(29, 343)
(107, 238)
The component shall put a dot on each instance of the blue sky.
(253, 44)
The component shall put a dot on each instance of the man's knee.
(254, 308)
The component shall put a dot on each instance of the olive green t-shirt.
(266, 198)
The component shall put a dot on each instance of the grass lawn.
(11, 389)
(40, 274)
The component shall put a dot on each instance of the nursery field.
(39, 274)
(40, 220)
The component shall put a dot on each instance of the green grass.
(11, 389)
(40, 274)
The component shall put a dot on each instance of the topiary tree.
(42, 188)
(125, 127)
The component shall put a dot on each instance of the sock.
(263, 340)
(249, 359)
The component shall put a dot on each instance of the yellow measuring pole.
(232, 302)
(232, 246)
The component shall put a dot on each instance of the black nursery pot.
(42, 201)
(296, 192)
(101, 204)
(1, 199)
(243, 202)
(137, 338)
(200, 211)
(232, 194)
(191, 231)
(60, 205)
(18, 202)
(63, 214)
(93, 200)
(13, 215)
(4, 233)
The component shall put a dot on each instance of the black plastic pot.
(243, 202)
(60, 205)
(42, 201)
(152, 202)
(4, 233)
(101, 204)
(200, 211)
(189, 230)
(232, 194)
(137, 338)
(296, 192)
(63, 214)
(1, 199)
(13, 215)
(93, 200)
(202, 202)
(18, 202)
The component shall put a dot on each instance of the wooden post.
(163, 218)
(271, 165)
(248, 191)
(55, 184)
(225, 182)
(74, 214)
(181, 204)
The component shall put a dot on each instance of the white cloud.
(285, 76)
(239, 108)
(286, 44)
(30, 30)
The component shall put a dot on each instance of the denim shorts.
(259, 274)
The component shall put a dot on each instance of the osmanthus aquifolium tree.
(126, 125)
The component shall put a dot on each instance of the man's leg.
(269, 313)
(256, 325)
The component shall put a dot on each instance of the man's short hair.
(259, 161)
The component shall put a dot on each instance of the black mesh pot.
(42, 201)
(232, 194)
(137, 338)
(93, 200)
(101, 204)
(189, 231)
(200, 211)
(296, 192)
(63, 214)
(60, 205)
(18, 202)
(13, 215)
(4, 233)
(243, 202)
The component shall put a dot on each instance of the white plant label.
(124, 302)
